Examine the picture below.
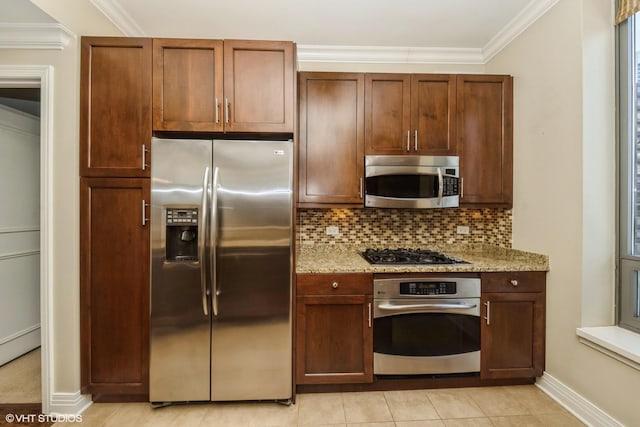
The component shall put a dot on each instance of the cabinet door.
(187, 85)
(512, 335)
(115, 106)
(259, 79)
(331, 161)
(485, 139)
(114, 296)
(387, 118)
(334, 340)
(433, 114)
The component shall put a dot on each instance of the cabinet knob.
(334, 285)
(513, 282)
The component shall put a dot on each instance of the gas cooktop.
(403, 256)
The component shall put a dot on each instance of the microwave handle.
(440, 186)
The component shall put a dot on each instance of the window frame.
(628, 136)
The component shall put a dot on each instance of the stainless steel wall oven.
(426, 325)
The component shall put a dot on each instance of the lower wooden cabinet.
(334, 339)
(513, 325)
(114, 288)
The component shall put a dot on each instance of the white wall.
(19, 233)
(564, 165)
(65, 230)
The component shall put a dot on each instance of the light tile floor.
(20, 379)
(488, 406)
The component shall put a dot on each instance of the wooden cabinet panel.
(410, 114)
(334, 338)
(331, 162)
(114, 297)
(115, 106)
(334, 284)
(387, 114)
(485, 139)
(513, 329)
(514, 281)
(187, 85)
(259, 86)
(433, 114)
(223, 86)
(334, 341)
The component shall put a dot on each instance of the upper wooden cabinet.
(331, 155)
(115, 106)
(187, 85)
(410, 114)
(259, 81)
(485, 139)
(230, 85)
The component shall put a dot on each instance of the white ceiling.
(473, 30)
(406, 23)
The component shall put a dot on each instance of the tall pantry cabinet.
(115, 132)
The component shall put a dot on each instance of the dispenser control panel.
(182, 216)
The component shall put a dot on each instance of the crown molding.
(388, 55)
(119, 17)
(373, 54)
(530, 14)
(34, 36)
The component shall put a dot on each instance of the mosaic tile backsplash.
(405, 227)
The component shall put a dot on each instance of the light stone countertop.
(481, 257)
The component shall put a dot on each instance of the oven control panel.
(428, 288)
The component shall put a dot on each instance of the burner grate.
(404, 256)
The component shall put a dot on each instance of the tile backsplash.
(405, 227)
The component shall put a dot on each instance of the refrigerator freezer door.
(180, 330)
(251, 333)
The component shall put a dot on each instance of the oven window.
(403, 186)
(426, 334)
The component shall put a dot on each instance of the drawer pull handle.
(334, 285)
(513, 282)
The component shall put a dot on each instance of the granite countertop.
(481, 257)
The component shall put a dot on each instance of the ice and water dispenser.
(182, 234)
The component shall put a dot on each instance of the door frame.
(41, 76)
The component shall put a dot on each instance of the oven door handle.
(412, 307)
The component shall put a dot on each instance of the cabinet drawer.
(334, 284)
(516, 281)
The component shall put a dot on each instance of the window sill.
(618, 343)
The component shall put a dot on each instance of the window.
(629, 168)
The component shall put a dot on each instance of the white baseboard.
(69, 403)
(573, 402)
(19, 343)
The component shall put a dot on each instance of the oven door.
(426, 336)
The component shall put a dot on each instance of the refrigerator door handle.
(214, 240)
(202, 242)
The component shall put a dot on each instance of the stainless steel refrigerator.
(221, 221)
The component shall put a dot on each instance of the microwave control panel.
(450, 186)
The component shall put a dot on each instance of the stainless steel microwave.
(421, 182)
